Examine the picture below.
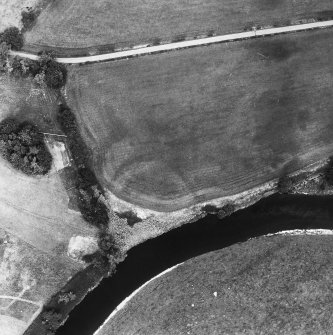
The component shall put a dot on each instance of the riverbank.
(153, 224)
(273, 214)
(268, 285)
(151, 230)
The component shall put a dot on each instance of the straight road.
(146, 50)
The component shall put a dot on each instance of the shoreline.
(155, 223)
(243, 200)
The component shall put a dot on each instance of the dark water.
(276, 213)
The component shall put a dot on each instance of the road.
(145, 50)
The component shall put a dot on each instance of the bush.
(156, 41)
(210, 209)
(55, 75)
(107, 243)
(66, 297)
(285, 184)
(130, 216)
(210, 33)
(4, 53)
(179, 38)
(23, 146)
(51, 319)
(28, 18)
(13, 37)
(328, 172)
(225, 211)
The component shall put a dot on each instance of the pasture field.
(275, 285)
(36, 224)
(73, 24)
(176, 129)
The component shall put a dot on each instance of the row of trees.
(89, 192)
(23, 146)
(45, 71)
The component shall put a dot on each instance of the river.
(270, 215)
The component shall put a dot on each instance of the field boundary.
(147, 49)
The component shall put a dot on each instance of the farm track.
(147, 49)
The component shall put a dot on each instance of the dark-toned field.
(78, 24)
(275, 285)
(171, 130)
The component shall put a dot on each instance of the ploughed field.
(72, 24)
(267, 285)
(175, 129)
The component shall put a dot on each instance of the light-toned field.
(10, 12)
(79, 24)
(179, 128)
(275, 285)
(36, 224)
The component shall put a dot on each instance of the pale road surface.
(145, 50)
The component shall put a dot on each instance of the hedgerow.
(89, 192)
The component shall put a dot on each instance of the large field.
(276, 285)
(175, 129)
(78, 24)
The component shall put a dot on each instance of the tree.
(4, 52)
(328, 172)
(285, 184)
(226, 210)
(23, 146)
(66, 297)
(55, 75)
(28, 18)
(39, 79)
(12, 37)
(51, 319)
